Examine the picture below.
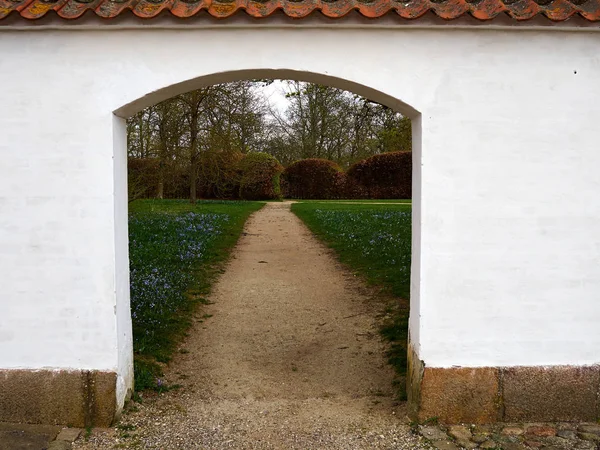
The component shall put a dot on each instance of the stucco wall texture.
(506, 247)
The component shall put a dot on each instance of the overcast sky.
(274, 93)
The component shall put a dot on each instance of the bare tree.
(203, 131)
(193, 107)
(325, 122)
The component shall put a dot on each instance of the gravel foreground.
(288, 356)
(246, 425)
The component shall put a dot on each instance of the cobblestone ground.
(21, 436)
(556, 436)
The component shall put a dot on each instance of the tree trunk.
(161, 181)
(193, 156)
(141, 124)
(161, 165)
(193, 175)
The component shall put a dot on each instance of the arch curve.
(165, 93)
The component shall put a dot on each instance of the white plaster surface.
(508, 248)
(123, 312)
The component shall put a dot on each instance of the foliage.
(193, 134)
(147, 373)
(257, 176)
(142, 177)
(220, 174)
(394, 132)
(160, 243)
(313, 179)
(260, 174)
(313, 124)
(223, 119)
(174, 250)
(149, 178)
(219, 177)
(176, 181)
(374, 240)
(330, 123)
(388, 175)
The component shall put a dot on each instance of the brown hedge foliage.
(219, 175)
(260, 173)
(313, 179)
(142, 177)
(177, 182)
(256, 176)
(388, 175)
(352, 190)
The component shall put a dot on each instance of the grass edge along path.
(359, 201)
(374, 240)
(170, 227)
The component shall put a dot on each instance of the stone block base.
(503, 394)
(61, 397)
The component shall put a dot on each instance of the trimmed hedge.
(142, 177)
(260, 177)
(313, 179)
(219, 175)
(256, 176)
(177, 182)
(229, 175)
(388, 175)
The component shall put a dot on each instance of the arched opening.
(164, 93)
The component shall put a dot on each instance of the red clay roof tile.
(556, 10)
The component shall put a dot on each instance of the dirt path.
(289, 359)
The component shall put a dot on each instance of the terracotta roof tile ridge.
(520, 10)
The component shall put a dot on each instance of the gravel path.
(289, 359)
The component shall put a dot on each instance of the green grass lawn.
(366, 202)
(375, 241)
(176, 249)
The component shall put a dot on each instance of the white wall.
(510, 216)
